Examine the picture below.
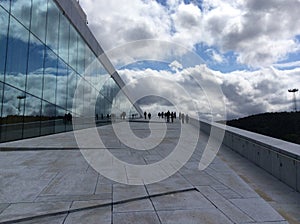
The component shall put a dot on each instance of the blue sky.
(251, 47)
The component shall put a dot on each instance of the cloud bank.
(260, 35)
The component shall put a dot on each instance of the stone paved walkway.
(47, 180)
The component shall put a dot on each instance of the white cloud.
(245, 92)
(175, 65)
(288, 64)
(259, 32)
(215, 56)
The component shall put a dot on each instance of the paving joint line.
(69, 211)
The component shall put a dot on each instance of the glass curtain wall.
(42, 60)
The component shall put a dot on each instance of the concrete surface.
(47, 180)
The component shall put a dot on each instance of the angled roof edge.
(73, 11)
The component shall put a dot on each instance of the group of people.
(184, 117)
(169, 116)
(145, 115)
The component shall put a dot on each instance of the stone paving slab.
(236, 215)
(280, 196)
(94, 216)
(257, 209)
(212, 215)
(40, 181)
(134, 206)
(182, 201)
(59, 219)
(23, 210)
(136, 217)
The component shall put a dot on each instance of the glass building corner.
(49, 74)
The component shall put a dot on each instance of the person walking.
(182, 118)
(145, 115)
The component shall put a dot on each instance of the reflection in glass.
(38, 19)
(5, 4)
(32, 116)
(73, 47)
(72, 84)
(61, 120)
(88, 62)
(61, 83)
(86, 98)
(80, 56)
(35, 67)
(40, 71)
(52, 26)
(3, 40)
(17, 54)
(21, 10)
(1, 95)
(64, 38)
(49, 91)
(48, 118)
(12, 113)
(2, 127)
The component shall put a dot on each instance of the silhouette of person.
(145, 115)
(168, 116)
(158, 114)
(172, 117)
(187, 118)
(69, 118)
(149, 115)
(162, 114)
(182, 118)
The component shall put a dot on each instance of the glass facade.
(43, 58)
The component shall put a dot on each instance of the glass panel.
(12, 113)
(64, 38)
(49, 91)
(99, 108)
(87, 99)
(38, 19)
(1, 119)
(72, 84)
(79, 98)
(88, 61)
(80, 56)
(107, 109)
(5, 4)
(48, 118)
(62, 118)
(68, 121)
(102, 109)
(21, 10)
(73, 48)
(35, 67)
(62, 81)
(52, 26)
(3, 40)
(17, 55)
(32, 117)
